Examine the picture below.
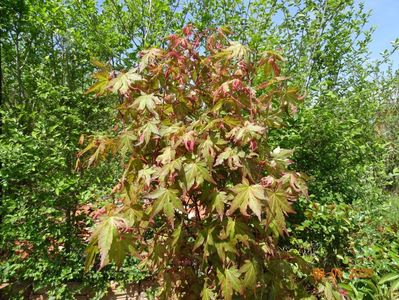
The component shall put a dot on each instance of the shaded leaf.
(166, 200)
(249, 270)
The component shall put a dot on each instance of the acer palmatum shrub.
(203, 199)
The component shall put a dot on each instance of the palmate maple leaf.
(166, 200)
(230, 281)
(278, 208)
(233, 157)
(121, 84)
(102, 78)
(147, 101)
(246, 133)
(236, 51)
(149, 57)
(248, 195)
(197, 172)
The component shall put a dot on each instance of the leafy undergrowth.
(354, 249)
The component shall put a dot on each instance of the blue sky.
(385, 17)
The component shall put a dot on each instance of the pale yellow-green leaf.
(237, 51)
(168, 154)
(147, 101)
(279, 207)
(197, 172)
(121, 84)
(145, 174)
(248, 195)
(246, 133)
(149, 57)
(105, 232)
(207, 293)
(249, 269)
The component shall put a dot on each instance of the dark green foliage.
(338, 145)
(322, 235)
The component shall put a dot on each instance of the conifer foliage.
(203, 198)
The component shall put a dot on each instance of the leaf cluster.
(202, 199)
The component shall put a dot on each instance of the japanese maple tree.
(202, 199)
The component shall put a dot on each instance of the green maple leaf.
(121, 84)
(107, 241)
(120, 248)
(176, 236)
(170, 168)
(223, 247)
(207, 293)
(102, 78)
(100, 86)
(126, 140)
(197, 172)
(105, 238)
(248, 195)
(205, 237)
(147, 101)
(229, 281)
(238, 231)
(91, 253)
(279, 207)
(236, 51)
(249, 269)
(166, 200)
(104, 235)
(232, 276)
(233, 157)
(219, 200)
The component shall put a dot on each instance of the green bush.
(42, 221)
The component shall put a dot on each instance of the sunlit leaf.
(121, 84)
(279, 208)
(147, 101)
(248, 195)
(197, 173)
